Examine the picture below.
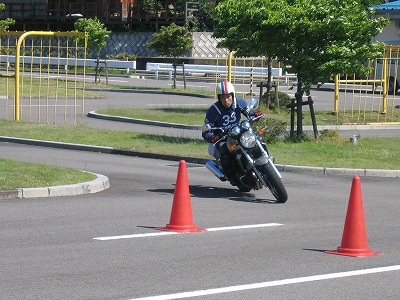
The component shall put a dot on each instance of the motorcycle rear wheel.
(275, 183)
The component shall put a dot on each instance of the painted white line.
(243, 227)
(117, 80)
(131, 236)
(191, 85)
(118, 237)
(266, 284)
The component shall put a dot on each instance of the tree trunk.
(174, 84)
(299, 108)
(269, 81)
(175, 64)
(97, 69)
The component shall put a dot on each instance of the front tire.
(275, 183)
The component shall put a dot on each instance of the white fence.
(211, 69)
(61, 61)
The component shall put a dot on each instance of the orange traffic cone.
(354, 240)
(181, 219)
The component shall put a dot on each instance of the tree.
(317, 38)
(97, 36)
(172, 41)
(5, 24)
(97, 33)
(204, 20)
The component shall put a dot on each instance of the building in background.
(118, 15)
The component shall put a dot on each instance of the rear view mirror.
(254, 103)
(206, 127)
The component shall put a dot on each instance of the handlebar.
(207, 127)
(225, 130)
(256, 118)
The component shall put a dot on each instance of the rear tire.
(275, 183)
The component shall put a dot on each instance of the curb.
(197, 160)
(95, 115)
(149, 90)
(102, 182)
(194, 160)
(97, 185)
(340, 171)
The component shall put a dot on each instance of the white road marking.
(131, 236)
(244, 227)
(117, 80)
(192, 85)
(266, 284)
(118, 237)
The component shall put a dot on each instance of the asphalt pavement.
(106, 245)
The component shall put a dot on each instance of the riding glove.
(214, 138)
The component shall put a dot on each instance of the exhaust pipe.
(210, 165)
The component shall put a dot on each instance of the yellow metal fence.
(42, 79)
(42, 76)
(250, 75)
(371, 100)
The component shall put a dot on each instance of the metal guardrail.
(80, 62)
(210, 69)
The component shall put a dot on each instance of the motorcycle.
(253, 165)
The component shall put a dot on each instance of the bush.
(124, 56)
(332, 136)
(273, 130)
(284, 99)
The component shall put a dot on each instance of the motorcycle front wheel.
(274, 182)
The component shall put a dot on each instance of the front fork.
(270, 159)
(263, 159)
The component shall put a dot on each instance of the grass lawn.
(370, 153)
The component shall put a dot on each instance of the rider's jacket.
(219, 116)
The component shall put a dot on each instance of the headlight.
(245, 124)
(248, 139)
(235, 131)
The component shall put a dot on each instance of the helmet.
(224, 88)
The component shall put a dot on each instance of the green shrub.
(273, 130)
(123, 56)
(284, 99)
(331, 136)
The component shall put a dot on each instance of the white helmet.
(224, 88)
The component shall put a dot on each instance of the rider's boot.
(230, 174)
(226, 162)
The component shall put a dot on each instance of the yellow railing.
(370, 100)
(250, 74)
(44, 66)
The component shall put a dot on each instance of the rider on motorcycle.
(225, 112)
